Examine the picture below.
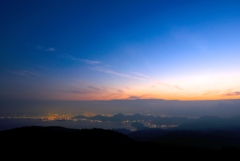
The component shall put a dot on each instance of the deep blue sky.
(119, 49)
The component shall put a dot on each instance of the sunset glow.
(178, 50)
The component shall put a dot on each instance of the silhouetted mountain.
(99, 143)
(141, 122)
(170, 120)
(211, 139)
(55, 134)
(157, 120)
(118, 117)
(59, 142)
(122, 130)
(211, 122)
(139, 126)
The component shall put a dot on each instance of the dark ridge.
(99, 143)
(56, 134)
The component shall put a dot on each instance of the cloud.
(91, 62)
(73, 91)
(87, 61)
(104, 68)
(109, 71)
(120, 91)
(94, 88)
(236, 93)
(115, 95)
(177, 87)
(164, 84)
(89, 90)
(50, 49)
(211, 92)
(26, 73)
(133, 97)
(170, 86)
(141, 75)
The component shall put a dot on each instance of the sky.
(119, 49)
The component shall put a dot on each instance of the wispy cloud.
(164, 84)
(134, 97)
(120, 91)
(26, 73)
(87, 61)
(109, 71)
(91, 62)
(141, 75)
(94, 88)
(73, 91)
(236, 93)
(51, 49)
(170, 85)
(116, 94)
(211, 92)
(177, 87)
(101, 67)
(81, 91)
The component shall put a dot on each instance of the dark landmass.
(98, 143)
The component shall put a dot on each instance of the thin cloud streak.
(140, 74)
(236, 93)
(109, 71)
(87, 61)
(26, 73)
(74, 91)
(105, 69)
(177, 87)
(51, 49)
(94, 88)
(91, 62)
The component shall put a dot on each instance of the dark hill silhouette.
(211, 139)
(98, 143)
(56, 134)
(58, 142)
(211, 122)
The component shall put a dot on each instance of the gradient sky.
(119, 49)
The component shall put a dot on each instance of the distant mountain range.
(204, 122)
(156, 107)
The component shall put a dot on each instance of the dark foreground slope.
(210, 139)
(60, 143)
